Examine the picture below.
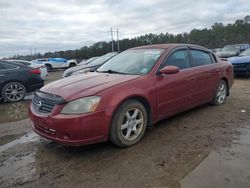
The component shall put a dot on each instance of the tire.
(221, 94)
(128, 124)
(13, 91)
(49, 67)
(72, 65)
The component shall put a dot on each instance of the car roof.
(236, 44)
(168, 45)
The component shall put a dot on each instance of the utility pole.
(35, 53)
(112, 41)
(118, 46)
(30, 54)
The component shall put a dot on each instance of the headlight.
(80, 106)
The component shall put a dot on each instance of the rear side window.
(1, 67)
(200, 57)
(179, 59)
(4, 66)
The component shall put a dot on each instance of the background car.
(232, 50)
(56, 63)
(16, 80)
(241, 63)
(92, 66)
(42, 67)
(216, 50)
(85, 62)
(128, 93)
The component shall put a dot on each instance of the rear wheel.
(49, 67)
(13, 91)
(221, 94)
(72, 65)
(129, 124)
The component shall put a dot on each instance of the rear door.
(174, 90)
(206, 71)
(7, 71)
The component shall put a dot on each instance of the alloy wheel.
(221, 93)
(132, 124)
(14, 92)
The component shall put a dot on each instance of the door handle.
(192, 79)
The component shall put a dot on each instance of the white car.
(42, 67)
(56, 63)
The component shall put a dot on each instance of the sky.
(53, 25)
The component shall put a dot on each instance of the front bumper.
(72, 130)
(242, 71)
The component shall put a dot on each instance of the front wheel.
(221, 94)
(49, 67)
(129, 124)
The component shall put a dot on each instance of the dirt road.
(204, 147)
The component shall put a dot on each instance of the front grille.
(241, 65)
(45, 102)
(43, 105)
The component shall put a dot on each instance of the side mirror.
(169, 70)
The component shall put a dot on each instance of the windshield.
(102, 59)
(245, 53)
(231, 48)
(139, 61)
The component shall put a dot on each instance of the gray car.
(92, 66)
(232, 50)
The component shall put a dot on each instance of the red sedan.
(130, 92)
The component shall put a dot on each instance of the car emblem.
(39, 105)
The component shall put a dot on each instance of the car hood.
(228, 52)
(78, 67)
(237, 60)
(85, 84)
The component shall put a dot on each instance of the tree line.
(215, 37)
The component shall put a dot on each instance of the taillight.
(35, 71)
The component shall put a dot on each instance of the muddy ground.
(204, 147)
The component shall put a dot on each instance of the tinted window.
(1, 67)
(200, 57)
(179, 59)
(7, 66)
(22, 62)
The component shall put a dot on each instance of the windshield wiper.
(112, 72)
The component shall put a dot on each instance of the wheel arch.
(144, 102)
(226, 80)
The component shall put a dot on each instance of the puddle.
(32, 137)
(8, 138)
(12, 112)
(227, 168)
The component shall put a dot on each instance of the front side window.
(200, 58)
(137, 61)
(179, 59)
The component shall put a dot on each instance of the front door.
(174, 90)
